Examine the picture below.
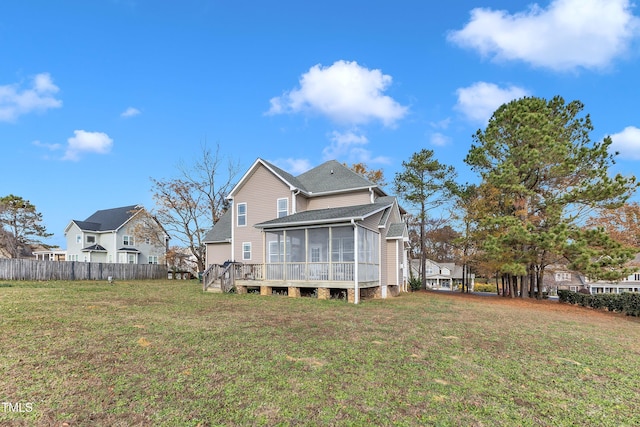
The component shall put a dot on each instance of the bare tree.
(189, 206)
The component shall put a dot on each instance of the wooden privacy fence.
(28, 269)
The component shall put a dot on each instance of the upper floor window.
(242, 214)
(563, 276)
(283, 207)
(128, 240)
(91, 239)
(78, 238)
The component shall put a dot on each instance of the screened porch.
(322, 254)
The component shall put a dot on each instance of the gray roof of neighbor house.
(107, 219)
(221, 231)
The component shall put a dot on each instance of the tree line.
(544, 195)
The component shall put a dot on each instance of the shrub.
(415, 284)
(628, 302)
(484, 287)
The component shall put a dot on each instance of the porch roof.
(326, 216)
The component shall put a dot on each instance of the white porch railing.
(316, 271)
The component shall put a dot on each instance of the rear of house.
(328, 232)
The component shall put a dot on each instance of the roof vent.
(331, 171)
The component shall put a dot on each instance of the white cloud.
(87, 142)
(439, 140)
(627, 143)
(566, 35)
(351, 145)
(478, 101)
(40, 96)
(293, 166)
(50, 147)
(130, 112)
(345, 92)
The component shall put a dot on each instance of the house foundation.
(266, 290)
(240, 290)
(324, 293)
(294, 292)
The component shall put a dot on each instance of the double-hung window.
(242, 214)
(283, 207)
(246, 251)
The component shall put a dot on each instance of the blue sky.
(97, 97)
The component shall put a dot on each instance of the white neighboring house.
(445, 276)
(109, 236)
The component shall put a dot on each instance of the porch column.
(356, 291)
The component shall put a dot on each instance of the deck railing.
(292, 271)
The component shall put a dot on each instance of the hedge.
(627, 302)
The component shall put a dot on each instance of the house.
(50, 254)
(446, 276)
(126, 234)
(559, 278)
(327, 232)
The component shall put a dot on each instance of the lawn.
(164, 353)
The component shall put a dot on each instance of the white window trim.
(238, 214)
(244, 258)
(286, 210)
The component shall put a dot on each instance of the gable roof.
(108, 219)
(221, 231)
(329, 177)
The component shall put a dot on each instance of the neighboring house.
(559, 278)
(119, 235)
(445, 276)
(50, 254)
(327, 231)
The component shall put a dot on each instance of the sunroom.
(338, 255)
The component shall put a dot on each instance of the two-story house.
(328, 231)
(126, 234)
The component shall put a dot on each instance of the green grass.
(164, 353)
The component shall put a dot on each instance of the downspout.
(233, 226)
(372, 195)
(294, 205)
(356, 291)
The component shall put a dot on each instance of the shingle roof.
(332, 176)
(328, 215)
(396, 230)
(221, 231)
(94, 248)
(107, 219)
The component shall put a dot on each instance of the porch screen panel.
(275, 255)
(342, 254)
(296, 255)
(368, 250)
(318, 253)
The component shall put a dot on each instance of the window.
(73, 257)
(132, 258)
(91, 239)
(563, 277)
(147, 241)
(153, 259)
(636, 277)
(128, 240)
(242, 214)
(283, 207)
(246, 251)
(78, 238)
